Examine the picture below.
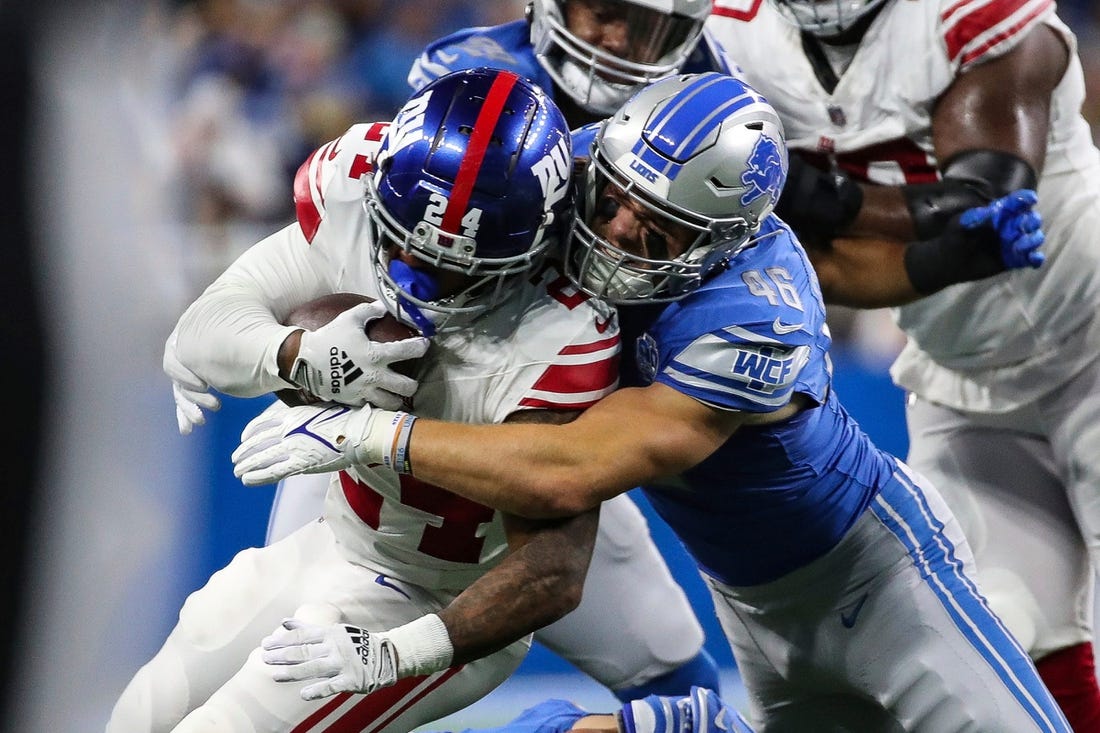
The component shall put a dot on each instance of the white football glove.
(335, 658)
(343, 658)
(190, 392)
(282, 441)
(339, 363)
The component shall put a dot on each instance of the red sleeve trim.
(607, 343)
(737, 14)
(968, 21)
(308, 209)
(577, 383)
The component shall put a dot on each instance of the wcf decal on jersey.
(406, 128)
(768, 369)
(553, 172)
(764, 171)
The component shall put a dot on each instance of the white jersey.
(547, 346)
(990, 345)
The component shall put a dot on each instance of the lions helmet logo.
(764, 171)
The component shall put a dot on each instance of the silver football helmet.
(654, 38)
(826, 18)
(703, 156)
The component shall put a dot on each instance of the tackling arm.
(627, 439)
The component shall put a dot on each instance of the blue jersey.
(509, 47)
(773, 497)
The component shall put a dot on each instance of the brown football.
(318, 312)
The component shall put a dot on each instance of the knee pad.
(699, 671)
(1014, 604)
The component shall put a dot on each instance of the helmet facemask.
(618, 276)
(699, 161)
(413, 297)
(827, 19)
(656, 44)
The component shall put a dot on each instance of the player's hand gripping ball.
(384, 328)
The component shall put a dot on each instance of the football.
(318, 312)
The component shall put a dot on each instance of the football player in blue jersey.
(590, 55)
(841, 579)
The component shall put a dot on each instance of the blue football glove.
(1017, 224)
(700, 712)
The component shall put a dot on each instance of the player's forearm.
(883, 214)
(537, 583)
(232, 343)
(231, 335)
(539, 471)
(863, 273)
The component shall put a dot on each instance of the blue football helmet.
(826, 18)
(657, 37)
(703, 156)
(473, 177)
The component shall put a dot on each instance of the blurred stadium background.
(161, 143)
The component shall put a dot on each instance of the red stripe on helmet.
(475, 151)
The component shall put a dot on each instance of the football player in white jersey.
(588, 55)
(903, 114)
(839, 576)
(447, 217)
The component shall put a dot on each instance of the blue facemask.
(419, 284)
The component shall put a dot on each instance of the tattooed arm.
(539, 581)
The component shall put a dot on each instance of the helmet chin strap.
(419, 284)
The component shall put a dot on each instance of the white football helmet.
(702, 153)
(658, 37)
(826, 18)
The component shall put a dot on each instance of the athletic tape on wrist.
(423, 646)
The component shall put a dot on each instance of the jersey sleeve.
(230, 336)
(333, 174)
(737, 368)
(746, 341)
(975, 31)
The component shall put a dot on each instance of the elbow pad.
(970, 178)
(817, 204)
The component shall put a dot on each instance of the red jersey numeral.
(454, 539)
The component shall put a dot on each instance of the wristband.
(386, 440)
(423, 646)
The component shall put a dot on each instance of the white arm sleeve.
(230, 336)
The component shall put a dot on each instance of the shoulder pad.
(494, 46)
(334, 173)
